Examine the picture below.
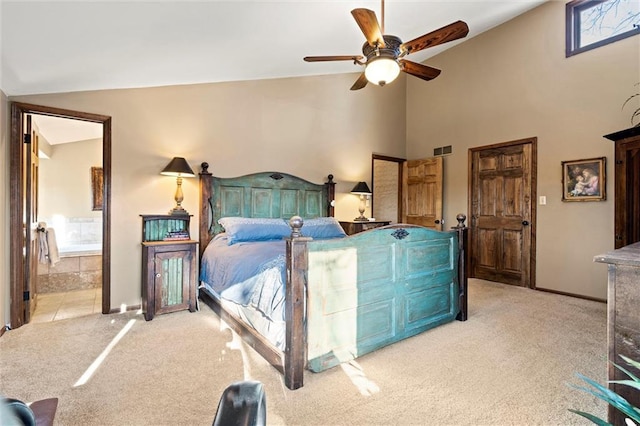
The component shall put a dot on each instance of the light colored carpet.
(509, 364)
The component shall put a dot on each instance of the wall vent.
(443, 150)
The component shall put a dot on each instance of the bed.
(277, 268)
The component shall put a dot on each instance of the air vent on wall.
(443, 150)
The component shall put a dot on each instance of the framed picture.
(96, 188)
(584, 180)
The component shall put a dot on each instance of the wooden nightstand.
(169, 265)
(353, 227)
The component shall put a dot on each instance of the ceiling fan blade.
(368, 23)
(458, 29)
(360, 82)
(418, 70)
(333, 58)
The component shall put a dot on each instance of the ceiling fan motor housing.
(391, 49)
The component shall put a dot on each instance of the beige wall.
(514, 82)
(4, 209)
(65, 180)
(308, 127)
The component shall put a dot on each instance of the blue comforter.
(250, 274)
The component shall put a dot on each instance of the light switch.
(543, 200)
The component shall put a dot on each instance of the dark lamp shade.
(361, 188)
(178, 167)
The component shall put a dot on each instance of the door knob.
(437, 221)
(525, 222)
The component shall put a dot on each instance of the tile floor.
(57, 306)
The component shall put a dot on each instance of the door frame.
(534, 197)
(16, 195)
(399, 162)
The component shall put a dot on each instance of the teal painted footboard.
(376, 288)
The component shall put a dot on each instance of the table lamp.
(179, 168)
(363, 190)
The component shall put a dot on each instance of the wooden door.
(30, 170)
(502, 194)
(422, 186)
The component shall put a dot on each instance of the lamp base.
(178, 211)
(361, 219)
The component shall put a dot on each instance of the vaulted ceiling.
(54, 46)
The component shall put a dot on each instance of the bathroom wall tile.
(90, 263)
(66, 264)
(43, 268)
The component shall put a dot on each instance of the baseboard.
(129, 308)
(579, 296)
(2, 330)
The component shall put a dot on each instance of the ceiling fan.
(384, 54)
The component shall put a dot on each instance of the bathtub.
(79, 268)
(80, 250)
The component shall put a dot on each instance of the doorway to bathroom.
(69, 273)
(60, 198)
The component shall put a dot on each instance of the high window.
(594, 23)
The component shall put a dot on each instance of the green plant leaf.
(611, 398)
(631, 383)
(603, 392)
(635, 114)
(594, 419)
(629, 98)
(631, 362)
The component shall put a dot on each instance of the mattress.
(249, 280)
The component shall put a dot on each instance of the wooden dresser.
(623, 319)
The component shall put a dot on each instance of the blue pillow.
(244, 229)
(322, 227)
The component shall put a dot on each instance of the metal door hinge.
(27, 138)
(25, 295)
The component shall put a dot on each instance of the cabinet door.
(173, 269)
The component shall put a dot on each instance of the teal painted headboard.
(260, 195)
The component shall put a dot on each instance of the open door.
(23, 207)
(30, 176)
(422, 186)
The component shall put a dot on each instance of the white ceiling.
(55, 46)
(58, 130)
(66, 46)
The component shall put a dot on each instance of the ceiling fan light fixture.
(382, 70)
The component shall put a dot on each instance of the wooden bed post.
(331, 196)
(205, 211)
(295, 353)
(463, 264)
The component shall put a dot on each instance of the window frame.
(572, 27)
